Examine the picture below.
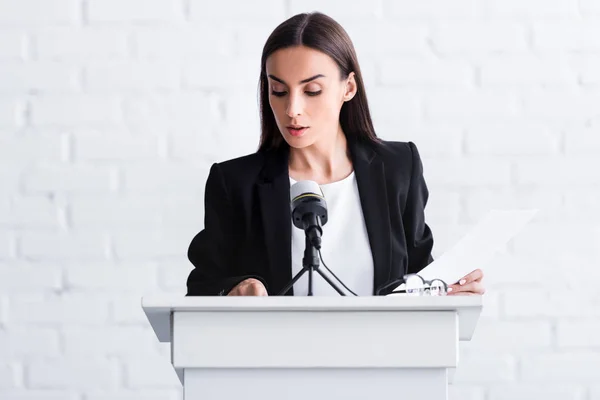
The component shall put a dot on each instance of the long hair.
(320, 32)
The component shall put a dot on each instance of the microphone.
(309, 210)
(309, 213)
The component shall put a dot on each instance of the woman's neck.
(323, 162)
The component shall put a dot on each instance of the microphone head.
(307, 188)
(307, 198)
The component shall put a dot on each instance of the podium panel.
(316, 384)
(314, 339)
(320, 348)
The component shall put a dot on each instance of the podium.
(318, 348)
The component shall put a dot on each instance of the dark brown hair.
(320, 32)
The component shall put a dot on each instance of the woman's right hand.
(249, 287)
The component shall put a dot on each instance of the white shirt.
(344, 244)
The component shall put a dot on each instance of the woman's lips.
(296, 132)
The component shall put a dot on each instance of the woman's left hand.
(469, 285)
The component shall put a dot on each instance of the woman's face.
(305, 89)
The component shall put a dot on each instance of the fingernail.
(462, 282)
(450, 289)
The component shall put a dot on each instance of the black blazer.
(247, 229)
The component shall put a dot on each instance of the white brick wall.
(487, 369)
(80, 44)
(150, 372)
(28, 343)
(19, 77)
(507, 71)
(12, 45)
(59, 310)
(22, 277)
(434, 9)
(78, 373)
(407, 38)
(11, 112)
(532, 8)
(139, 394)
(590, 7)
(561, 105)
(32, 12)
(176, 42)
(478, 37)
(261, 11)
(126, 76)
(75, 110)
(421, 73)
(90, 179)
(112, 111)
(23, 149)
(529, 391)
(127, 342)
(47, 394)
(582, 141)
(134, 11)
(7, 245)
(561, 35)
(578, 334)
(547, 367)
(483, 106)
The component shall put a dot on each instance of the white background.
(112, 111)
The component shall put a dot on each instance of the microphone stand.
(310, 263)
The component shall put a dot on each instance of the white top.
(344, 244)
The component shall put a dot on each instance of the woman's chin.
(298, 142)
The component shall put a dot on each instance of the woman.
(316, 126)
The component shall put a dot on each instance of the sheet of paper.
(479, 246)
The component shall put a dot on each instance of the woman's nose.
(294, 106)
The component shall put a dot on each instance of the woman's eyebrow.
(312, 78)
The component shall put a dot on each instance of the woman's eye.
(280, 94)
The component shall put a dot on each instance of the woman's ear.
(350, 87)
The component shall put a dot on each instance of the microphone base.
(310, 264)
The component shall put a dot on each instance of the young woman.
(316, 126)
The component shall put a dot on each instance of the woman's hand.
(249, 287)
(469, 285)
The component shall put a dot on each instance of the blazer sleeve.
(212, 249)
(419, 239)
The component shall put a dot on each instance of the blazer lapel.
(274, 198)
(370, 177)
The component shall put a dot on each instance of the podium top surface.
(305, 303)
(159, 308)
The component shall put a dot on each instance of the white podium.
(318, 348)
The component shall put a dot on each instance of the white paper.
(479, 246)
